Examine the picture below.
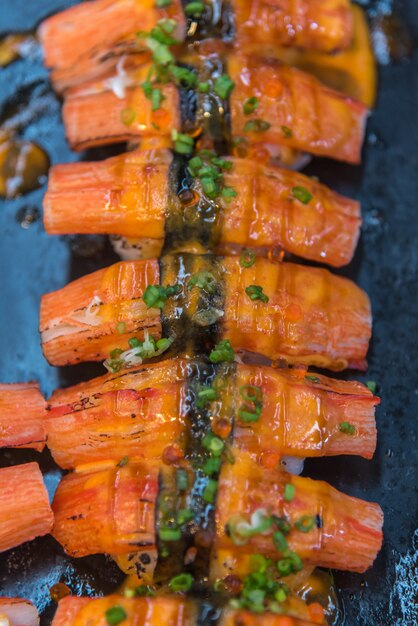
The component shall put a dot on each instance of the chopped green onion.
(284, 567)
(256, 126)
(302, 194)
(155, 296)
(229, 192)
(279, 541)
(144, 590)
(163, 344)
(195, 164)
(203, 87)
(183, 76)
(214, 444)
(203, 280)
(212, 466)
(255, 292)
(182, 582)
(184, 516)
(347, 428)
(204, 395)
(124, 461)
(305, 523)
(121, 328)
(194, 9)
(247, 258)
(250, 105)
(372, 386)
(210, 187)
(133, 343)
(287, 132)
(289, 492)
(127, 116)
(169, 534)
(223, 86)
(281, 594)
(183, 144)
(115, 615)
(210, 491)
(222, 352)
(313, 378)
(162, 4)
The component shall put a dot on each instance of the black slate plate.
(386, 265)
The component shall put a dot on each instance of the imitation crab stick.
(283, 311)
(90, 37)
(143, 412)
(103, 112)
(323, 525)
(24, 506)
(21, 411)
(114, 510)
(18, 612)
(294, 109)
(164, 610)
(134, 195)
(325, 25)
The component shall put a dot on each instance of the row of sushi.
(180, 470)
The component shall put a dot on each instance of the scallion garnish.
(155, 296)
(169, 534)
(212, 465)
(255, 292)
(214, 444)
(127, 116)
(203, 87)
(210, 491)
(372, 386)
(124, 461)
(347, 428)
(183, 144)
(182, 582)
(289, 492)
(203, 280)
(162, 4)
(251, 410)
(302, 194)
(256, 126)
(287, 132)
(312, 378)
(205, 395)
(121, 328)
(223, 86)
(115, 615)
(228, 193)
(194, 9)
(305, 523)
(250, 105)
(247, 258)
(279, 541)
(223, 352)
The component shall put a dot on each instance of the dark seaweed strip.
(191, 218)
(181, 320)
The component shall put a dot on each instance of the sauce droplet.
(59, 591)
(23, 165)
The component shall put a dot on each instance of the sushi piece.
(315, 522)
(261, 25)
(90, 38)
(135, 195)
(21, 412)
(109, 511)
(24, 505)
(144, 611)
(142, 413)
(279, 310)
(76, 51)
(293, 109)
(168, 610)
(115, 108)
(114, 511)
(18, 612)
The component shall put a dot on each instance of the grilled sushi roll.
(86, 39)
(145, 413)
(293, 109)
(169, 611)
(18, 612)
(318, 523)
(92, 37)
(279, 310)
(21, 416)
(135, 195)
(142, 509)
(24, 506)
(290, 109)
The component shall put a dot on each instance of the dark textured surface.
(385, 265)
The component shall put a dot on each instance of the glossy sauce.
(23, 166)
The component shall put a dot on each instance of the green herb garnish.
(289, 492)
(305, 523)
(347, 428)
(222, 352)
(182, 582)
(115, 615)
(223, 86)
(256, 126)
(250, 105)
(302, 194)
(203, 280)
(255, 292)
(155, 296)
(194, 9)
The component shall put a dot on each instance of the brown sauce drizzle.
(23, 165)
(17, 46)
